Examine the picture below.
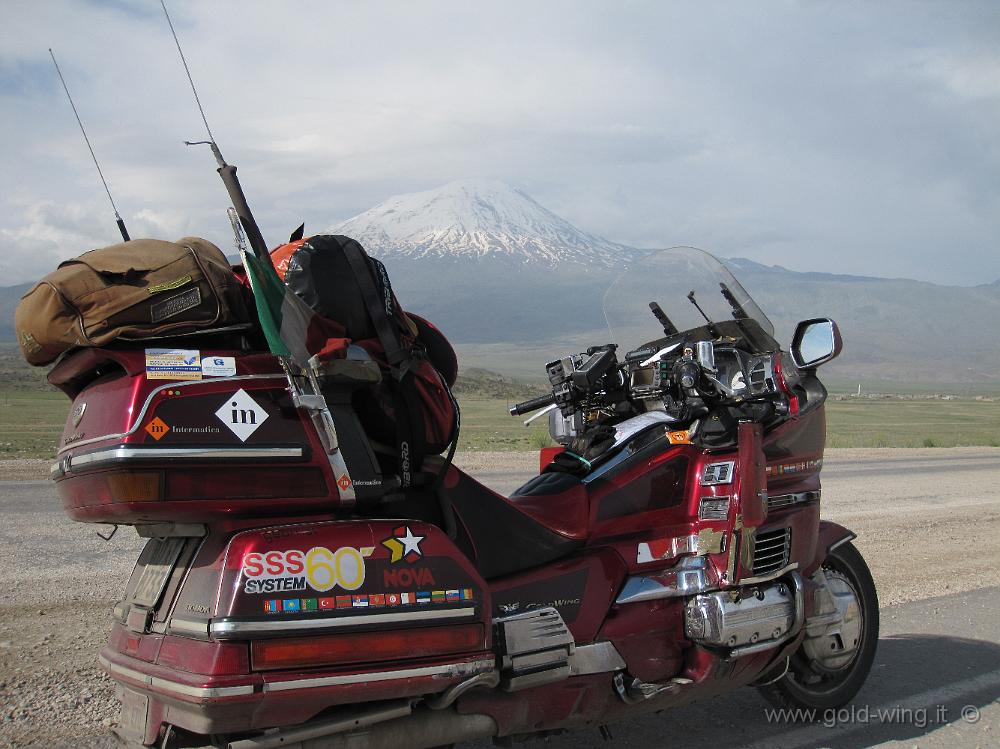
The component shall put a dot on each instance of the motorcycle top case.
(137, 289)
(140, 449)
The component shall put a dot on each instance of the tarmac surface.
(928, 523)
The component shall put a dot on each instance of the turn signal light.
(138, 486)
(304, 652)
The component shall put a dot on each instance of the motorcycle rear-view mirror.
(815, 342)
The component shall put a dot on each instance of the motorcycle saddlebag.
(133, 290)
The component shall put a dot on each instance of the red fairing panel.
(581, 589)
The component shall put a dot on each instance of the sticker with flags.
(367, 601)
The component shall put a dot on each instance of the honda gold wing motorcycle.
(670, 549)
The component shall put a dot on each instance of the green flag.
(284, 317)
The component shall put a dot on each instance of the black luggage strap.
(409, 418)
(380, 307)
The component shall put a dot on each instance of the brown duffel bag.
(135, 290)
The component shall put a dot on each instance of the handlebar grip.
(533, 405)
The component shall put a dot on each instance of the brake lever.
(544, 411)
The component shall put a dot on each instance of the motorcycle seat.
(502, 536)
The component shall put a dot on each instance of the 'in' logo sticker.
(157, 428)
(241, 414)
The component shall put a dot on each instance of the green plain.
(32, 414)
(31, 422)
(893, 422)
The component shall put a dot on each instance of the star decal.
(403, 546)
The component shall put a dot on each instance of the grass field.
(31, 421)
(892, 422)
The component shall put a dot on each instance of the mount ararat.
(489, 265)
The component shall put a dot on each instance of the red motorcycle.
(670, 549)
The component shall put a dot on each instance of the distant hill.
(9, 297)
(489, 265)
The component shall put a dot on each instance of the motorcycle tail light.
(300, 652)
(211, 658)
(256, 483)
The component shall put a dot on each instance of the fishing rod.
(283, 316)
(226, 171)
(118, 218)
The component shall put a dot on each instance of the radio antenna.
(226, 171)
(118, 218)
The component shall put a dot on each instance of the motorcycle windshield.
(681, 280)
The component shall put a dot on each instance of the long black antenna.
(226, 171)
(118, 218)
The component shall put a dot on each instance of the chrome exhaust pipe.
(422, 729)
(392, 726)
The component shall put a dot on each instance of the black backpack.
(413, 407)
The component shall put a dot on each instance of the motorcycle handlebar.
(532, 405)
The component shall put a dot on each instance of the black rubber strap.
(409, 419)
(377, 304)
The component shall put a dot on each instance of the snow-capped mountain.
(477, 219)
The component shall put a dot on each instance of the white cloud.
(859, 139)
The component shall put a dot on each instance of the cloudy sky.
(861, 138)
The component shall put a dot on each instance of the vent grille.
(781, 500)
(778, 501)
(771, 551)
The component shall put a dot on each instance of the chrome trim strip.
(189, 626)
(155, 682)
(149, 399)
(202, 692)
(469, 668)
(128, 673)
(687, 578)
(770, 575)
(180, 453)
(846, 539)
(231, 629)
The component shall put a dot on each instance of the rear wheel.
(834, 659)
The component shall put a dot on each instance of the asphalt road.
(928, 522)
